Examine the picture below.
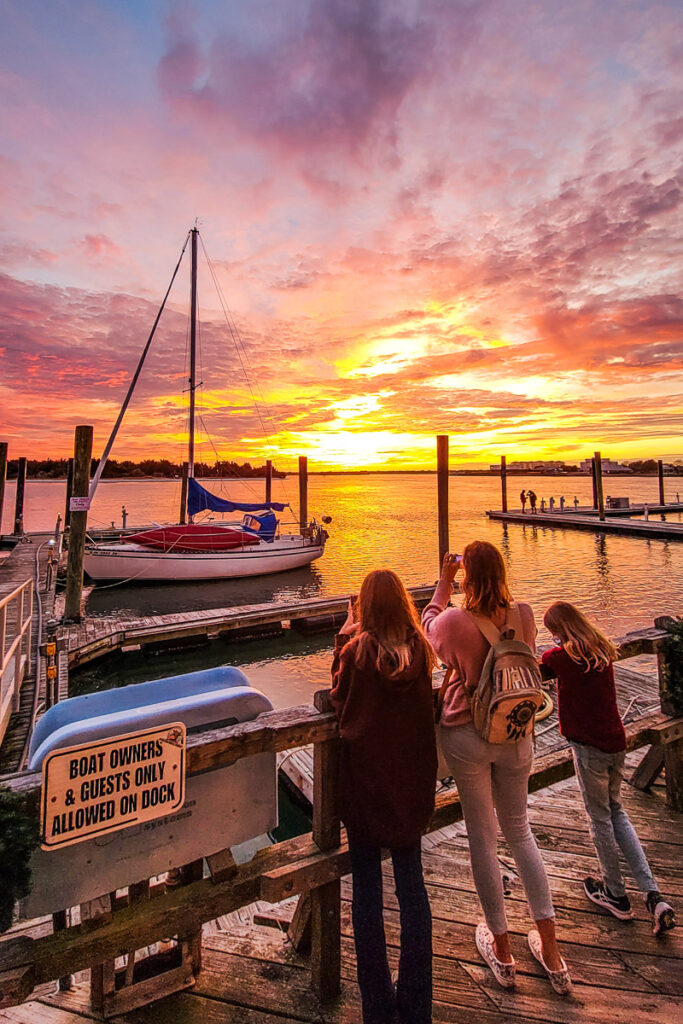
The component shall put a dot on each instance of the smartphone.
(458, 559)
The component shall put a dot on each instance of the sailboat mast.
(193, 348)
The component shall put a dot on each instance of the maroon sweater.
(587, 703)
(388, 747)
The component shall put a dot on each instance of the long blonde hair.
(584, 644)
(484, 579)
(387, 615)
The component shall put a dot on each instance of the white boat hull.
(133, 562)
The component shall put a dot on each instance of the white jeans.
(492, 780)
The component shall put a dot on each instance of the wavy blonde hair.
(387, 615)
(484, 579)
(584, 644)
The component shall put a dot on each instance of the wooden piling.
(269, 480)
(595, 486)
(79, 521)
(660, 473)
(326, 899)
(183, 495)
(303, 492)
(597, 462)
(503, 484)
(442, 493)
(669, 703)
(69, 493)
(19, 500)
(3, 476)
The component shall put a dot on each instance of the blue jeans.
(600, 776)
(413, 998)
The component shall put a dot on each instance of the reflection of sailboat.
(204, 550)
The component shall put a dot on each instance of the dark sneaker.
(663, 916)
(619, 906)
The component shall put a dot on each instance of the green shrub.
(673, 648)
(19, 836)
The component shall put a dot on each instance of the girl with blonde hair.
(382, 695)
(492, 778)
(590, 720)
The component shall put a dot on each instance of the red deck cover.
(194, 537)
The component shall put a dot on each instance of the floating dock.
(615, 521)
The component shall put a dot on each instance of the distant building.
(535, 466)
(608, 466)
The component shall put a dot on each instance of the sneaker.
(663, 916)
(504, 973)
(560, 980)
(619, 906)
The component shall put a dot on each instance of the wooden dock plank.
(583, 521)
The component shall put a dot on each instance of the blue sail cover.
(199, 499)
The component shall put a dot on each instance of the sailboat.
(209, 549)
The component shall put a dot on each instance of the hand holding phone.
(450, 566)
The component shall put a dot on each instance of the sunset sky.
(425, 216)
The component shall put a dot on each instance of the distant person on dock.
(492, 778)
(576, 503)
(522, 498)
(590, 720)
(382, 695)
(532, 500)
(551, 503)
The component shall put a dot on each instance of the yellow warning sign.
(100, 787)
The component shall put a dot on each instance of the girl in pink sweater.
(492, 778)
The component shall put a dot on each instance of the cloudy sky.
(424, 216)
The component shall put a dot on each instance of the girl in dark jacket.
(382, 695)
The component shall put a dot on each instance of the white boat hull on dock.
(134, 563)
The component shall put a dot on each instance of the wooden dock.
(616, 521)
(94, 638)
(18, 568)
(251, 974)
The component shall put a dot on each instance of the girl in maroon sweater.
(382, 695)
(590, 720)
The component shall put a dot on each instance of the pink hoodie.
(456, 638)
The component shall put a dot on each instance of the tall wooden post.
(442, 493)
(303, 491)
(69, 493)
(660, 473)
(183, 495)
(79, 522)
(595, 486)
(597, 462)
(3, 476)
(19, 500)
(269, 480)
(326, 899)
(503, 483)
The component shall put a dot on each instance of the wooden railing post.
(69, 492)
(660, 474)
(326, 899)
(673, 752)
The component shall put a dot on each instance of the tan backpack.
(509, 693)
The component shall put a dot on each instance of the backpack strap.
(442, 694)
(491, 632)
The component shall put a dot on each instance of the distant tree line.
(52, 469)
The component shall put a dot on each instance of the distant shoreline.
(364, 472)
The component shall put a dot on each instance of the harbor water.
(378, 520)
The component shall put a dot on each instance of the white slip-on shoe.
(560, 980)
(502, 972)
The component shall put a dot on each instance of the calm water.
(383, 520)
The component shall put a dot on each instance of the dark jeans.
(413, 998)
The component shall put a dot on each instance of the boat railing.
(310, 865)
(16, 618)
